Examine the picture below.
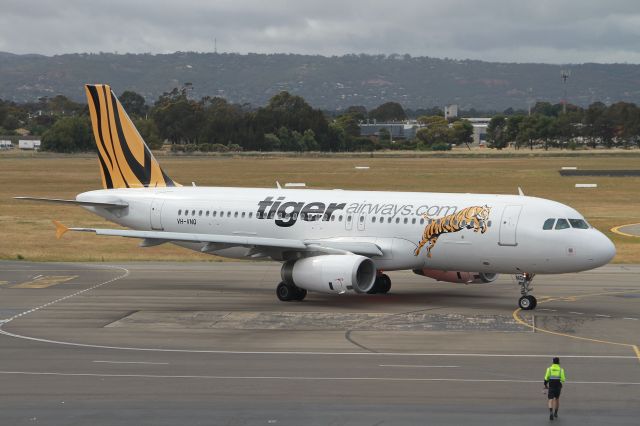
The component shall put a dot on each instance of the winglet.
(60, 229)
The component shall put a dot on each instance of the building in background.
(480, 125)
(29, 144)
(451, 112)
(396, 130)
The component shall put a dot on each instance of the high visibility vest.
(555, 372)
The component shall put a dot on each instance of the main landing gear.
(287, 292)
(527, 301)
(382, 285)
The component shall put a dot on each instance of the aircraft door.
(509, 226)
(362, 221)
(348, 222)
(156, 214)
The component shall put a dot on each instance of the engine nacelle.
(331, 273)
(457, 277)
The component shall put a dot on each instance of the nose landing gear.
(527, 301)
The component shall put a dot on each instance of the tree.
(294, 113)
(389, 111)
(133, 103)
(497, 132)
(437, 135)
(69, 134)
(149, 132)
(178, 119)
(461, 132)
(358, 112)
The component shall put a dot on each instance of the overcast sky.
(553, 31)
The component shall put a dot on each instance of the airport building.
(480, 125)
(396, 130)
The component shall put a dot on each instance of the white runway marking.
(53, 302)
(632, 319)
(132, 362)
(294, 378)
(603, 316)
(418, 366)
(577, 313)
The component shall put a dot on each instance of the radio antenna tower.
(564, 75)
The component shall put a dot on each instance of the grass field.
(26, 231)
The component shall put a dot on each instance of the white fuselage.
(514, 240)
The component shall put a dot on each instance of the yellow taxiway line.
(616, 230)
(45, 281)
(516, 316)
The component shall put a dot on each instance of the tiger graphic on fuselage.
(475, 217)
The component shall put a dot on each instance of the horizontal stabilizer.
(110, 205)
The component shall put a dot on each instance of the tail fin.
(125, 160)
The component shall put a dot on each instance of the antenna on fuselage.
(278, 185)
(520, 192)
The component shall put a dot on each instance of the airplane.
(332, 241)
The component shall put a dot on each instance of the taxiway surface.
(208, 343)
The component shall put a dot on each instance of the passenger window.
(421, 221)
(235, 214)
(578, 224)
(250, 215)
(397, 220)
(361, 219)
(179, 212)
(243, 213)
(333, 218)
(200, 213)
(228, 214)
(193, 212)
(406, 220)
(562, 224)
(340, 218)
(207, 213)
(186, 212)
(389, 220)
(373, 219)
(548, 224)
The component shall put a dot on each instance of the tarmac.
(209, 344)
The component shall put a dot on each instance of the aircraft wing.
(216, 242)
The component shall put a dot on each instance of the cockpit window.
(578, 223)
(562, 224)
(548, 224)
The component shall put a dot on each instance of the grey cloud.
(499, 30)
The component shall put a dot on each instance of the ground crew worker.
(553, 380)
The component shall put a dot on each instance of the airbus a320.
(332, 241)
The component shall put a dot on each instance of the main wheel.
(301, 293)
(527, 303)
(285, 293)
(385, 284)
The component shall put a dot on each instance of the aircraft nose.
(603, 250)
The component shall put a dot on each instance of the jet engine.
(457, 277)
(331, 273)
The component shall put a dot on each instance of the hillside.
(325, 82)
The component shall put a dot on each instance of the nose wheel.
(527, 301)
